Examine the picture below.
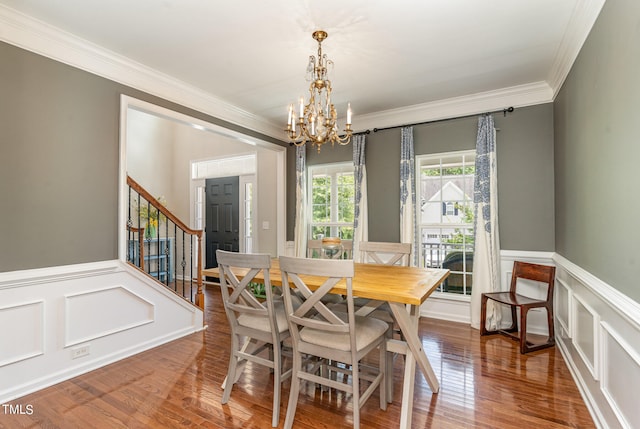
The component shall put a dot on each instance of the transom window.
(445, 191)
(331, 198)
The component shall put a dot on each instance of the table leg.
(409, 329)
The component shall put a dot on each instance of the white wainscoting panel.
(584, 334)
(620, 370)
(600, 342)
(111, 310)
(64, 321)
(21, 332)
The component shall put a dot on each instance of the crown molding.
(41, 38)
(515, 96)
(580, 25)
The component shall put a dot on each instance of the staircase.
(162, 246)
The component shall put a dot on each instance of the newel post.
(200, 294)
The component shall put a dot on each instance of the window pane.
(430, 184)
(321, 206)
(446, 221)
(317, 232)
(346, 233)
(345, 197)
(432, 212)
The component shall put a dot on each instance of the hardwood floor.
(485, 383)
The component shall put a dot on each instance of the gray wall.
(596, 149)
(525, 173)
(59, 161)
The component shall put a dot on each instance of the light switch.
(265, 224)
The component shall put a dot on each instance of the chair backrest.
(237, 295)
(314, 250)
(385, 253)
(536, 272)
(313, 312)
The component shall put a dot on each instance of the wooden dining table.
(404, 289)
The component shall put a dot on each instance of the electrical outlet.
(80, 351)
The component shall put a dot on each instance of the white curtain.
(360, 222)
(408, 220)
(300, 229)
(486, 260)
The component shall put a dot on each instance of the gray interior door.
(222, 216)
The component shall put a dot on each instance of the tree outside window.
(332, 192)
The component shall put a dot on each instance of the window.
(247, 216)
(445, 192)
(331, 198)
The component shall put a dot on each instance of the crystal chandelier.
(316, 122)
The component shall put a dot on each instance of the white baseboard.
(61, 322)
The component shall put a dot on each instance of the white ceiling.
(396, 62)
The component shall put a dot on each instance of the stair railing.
(163, 246)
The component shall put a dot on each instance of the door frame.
(127, 102)
(198, 185)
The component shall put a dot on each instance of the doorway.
(194, 139)
(222, 214)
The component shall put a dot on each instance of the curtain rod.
(504, 111)
(375, 130)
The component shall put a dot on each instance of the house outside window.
(331, 198)
(445, 192)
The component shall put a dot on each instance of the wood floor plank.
(484, 383)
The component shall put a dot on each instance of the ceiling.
(244, 60)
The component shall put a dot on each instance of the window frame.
(466, 227)
(333, 170)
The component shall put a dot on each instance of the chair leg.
(524, 347)
(390, 358)
(552, 337)
(294, 390)
(355, 384)
(386, 379)
(231, 372)
(483, 319)
(514, 320)
(483, 315)
(277, 384)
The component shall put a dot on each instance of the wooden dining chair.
(378, 252)
(314, 249)
(384, 253)
(262, 323)
(543, 274)
(340, 340)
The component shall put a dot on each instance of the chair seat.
(261, 323)
(513, 298)
(367, 330)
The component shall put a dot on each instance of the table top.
(405, 285)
